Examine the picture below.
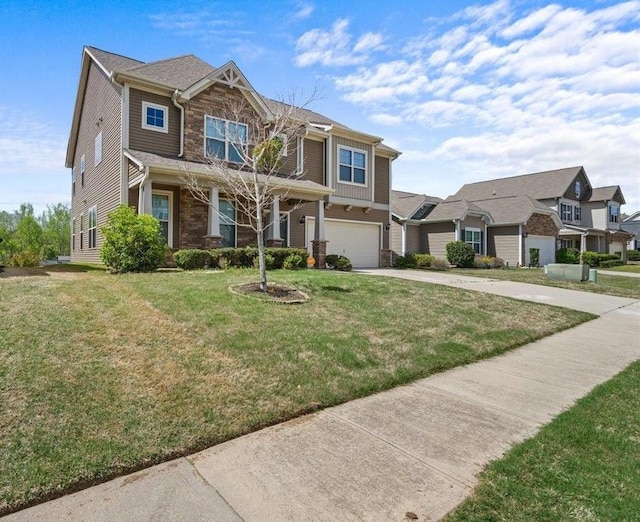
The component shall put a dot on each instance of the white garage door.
(360, 242)
(546, 245)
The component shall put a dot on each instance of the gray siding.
(473, 222)
(413, 239)
(100, 113)
(344, 189)
(167, 144)
(383, 180)
(436, 236)
(503, 242)
(396, 238)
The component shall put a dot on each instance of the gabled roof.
(633, 217)
(455, 209)
(633, 227)
(408, 205)
(611, 193)
(176, 73)
(294, 188)
(110, 61)
(512, 210)
(539, 185)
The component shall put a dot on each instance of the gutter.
(174, 98)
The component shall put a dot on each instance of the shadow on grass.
(338, 289)
(44, 271)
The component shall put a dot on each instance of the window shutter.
(463, 236)
(482, 242)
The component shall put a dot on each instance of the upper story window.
(155, 117)
(83, 167)
(577, 213)
(225, 139)
(614, 214)
(578, 189)
(352, 166)
(98, 148)
(74, 175)
(566, 212)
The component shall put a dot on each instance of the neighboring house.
(138, 127)
(507, 217)
(631, 225)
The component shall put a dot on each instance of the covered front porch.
(595, 240)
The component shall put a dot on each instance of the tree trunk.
(262, 267)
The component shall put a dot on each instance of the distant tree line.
(26, 239)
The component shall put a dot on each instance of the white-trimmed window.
(83, 167)
(155, 117)
(74, 175)
(225, 139)
(73, 234)
(578, 189)
(227, 223)
(92, 225)
(577, 213)
(614, 214)
(566, 243)
(98, 148)
(352, 166)
(81, 231)
(473, 236)
(282, 138)
(566, 212)
(161, 209)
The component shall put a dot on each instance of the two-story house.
(139, 127)
(507, 217)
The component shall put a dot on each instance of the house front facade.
(141, 130)
(509, 217)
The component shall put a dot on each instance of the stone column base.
(385, 258)
(276, 243)
(212, 241)
(319, 249)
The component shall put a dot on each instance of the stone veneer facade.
(540, 225)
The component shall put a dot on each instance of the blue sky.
(466, 90)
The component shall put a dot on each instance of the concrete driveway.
(414, 449)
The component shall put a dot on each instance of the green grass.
(635, 269)
(101, 374)
(585, 465)
(620, 286)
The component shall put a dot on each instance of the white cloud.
(304, 11)
(333, 48)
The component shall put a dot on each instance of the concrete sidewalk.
(415, 448)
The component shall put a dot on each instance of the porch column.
(457, 230)
(213, 239)
(273, 231)
(319, 244)
(404, 238)
(144, 197)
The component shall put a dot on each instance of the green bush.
(568, 256)
(293, 262)
(132, 242)
(190, 259)
(633, 255)
(534, 257)
(26, 258)
(247, 257)
(48, 252)
(341, 263)
(331, 259)
(460, 254)
(423, 260)
(610, 263)
(405, 261)
(595, 259)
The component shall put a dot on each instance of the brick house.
(507, 217)
(138, 127)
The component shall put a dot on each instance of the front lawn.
(634, 269)
(620, 286)
(585, 465)
(102, 375)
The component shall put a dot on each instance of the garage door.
(360, 242)
(546, 245)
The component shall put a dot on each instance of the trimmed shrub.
(247, 257)
(568, 256)
(405, 261)
(439, 264)
(610, 263)
(633, 255)
(594, 259)
(534, 257)
(460, 254)
(341, 263)
(132, 242)
(293, 262)
(190, 259)
(423, 260)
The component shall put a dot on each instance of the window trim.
(169, 194)
(566, 209)
(566, 243)
(611, 215)
(577, 189)
(83, 168)
(97, 146)
(82, 231)
(74, 175)
(285, 140)
(577, 213)
(227, 142)
(472, 243)
(366, 166)
(235, 220)
(92, 231)
(150, 105)
(73, 234)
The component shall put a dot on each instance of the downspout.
(404, 238)
(140, 191)
(174, 97)
(520, 241)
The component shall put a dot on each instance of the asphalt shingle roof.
(178, 73)
(452, 209)
(512, 209)
(539, 185)
(408, 204)
(606, 194)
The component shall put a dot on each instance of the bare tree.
(246, 162)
